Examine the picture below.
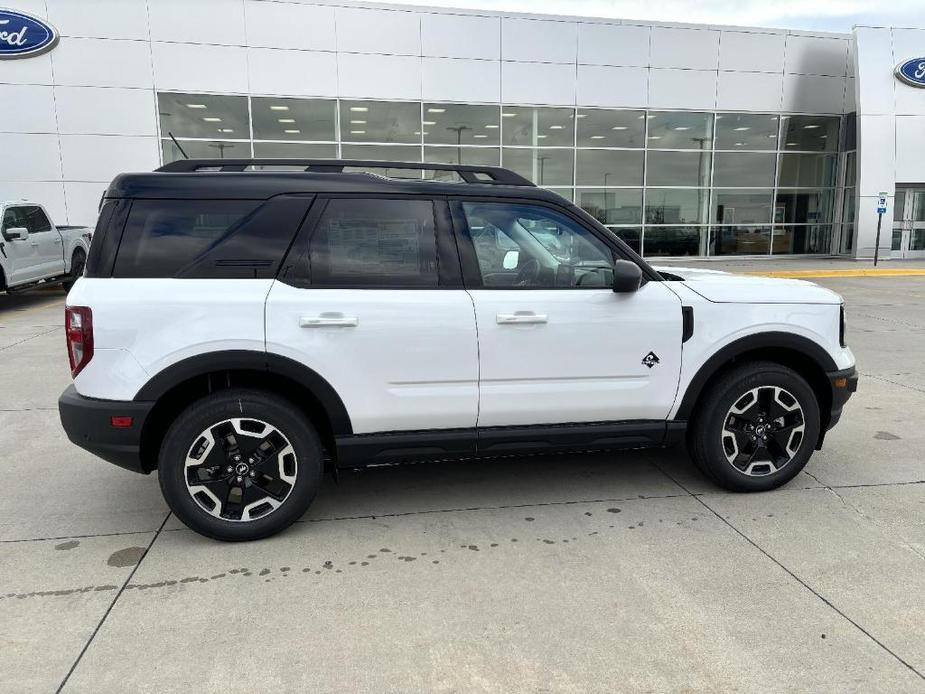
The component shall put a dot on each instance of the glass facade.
(670, 183)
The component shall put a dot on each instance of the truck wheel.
(755, 428)
(78, 262)
(240, 465)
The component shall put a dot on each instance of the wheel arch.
(181, 383)
(806, 357)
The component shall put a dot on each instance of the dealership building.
(686, 140)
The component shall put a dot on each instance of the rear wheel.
(240, 465)
(755, 428)
(78, 262)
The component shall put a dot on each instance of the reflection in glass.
(202, 115)
(380, 121)
(678, 169)
(806, 171)
(680, 130)
(474, 156)
(851, 173)
(676, 206)
(605, 167)
(809, 133)
(567, 193)
(294, 119)
(672, 241)
(816, 238)
(451, 124)
(745, 169)
(537, 127)
(294, 150)
(630, 235)
(803, 206)
(741, 131)
(381, 152)
(204, 149)
(545, 167)
(605, 128)
(740, 240)
(614, 206)
(742, 206)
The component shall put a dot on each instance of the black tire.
(78, 262)
(215, 411)
(720, 441)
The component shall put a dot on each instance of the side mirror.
(511, 258)
(627, 277)
(17, 233)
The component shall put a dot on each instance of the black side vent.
(687, 323)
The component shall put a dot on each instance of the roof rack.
(470, 174)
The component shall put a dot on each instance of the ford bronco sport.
(244, 324)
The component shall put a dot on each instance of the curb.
(868, 272)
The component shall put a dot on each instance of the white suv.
(240, 328)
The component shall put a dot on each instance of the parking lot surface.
(596, 573)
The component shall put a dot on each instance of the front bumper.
(843, 383)
(88, 423)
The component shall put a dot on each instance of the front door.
(22, 254)
(46, 241)
(909, 222)
(556, 344)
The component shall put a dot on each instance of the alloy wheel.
(763, 431)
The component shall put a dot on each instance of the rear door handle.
(329, 320)
(521, 318)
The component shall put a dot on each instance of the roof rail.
(470, 174)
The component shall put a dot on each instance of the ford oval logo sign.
(912, 72)
(23, 36)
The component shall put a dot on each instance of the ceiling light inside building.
(292, 131)
(212, 119)
(742, 128)
(359, 109)
(682, 127)
(811, 126)
(279, 108)
(480, 137)
(555, 127)
(508, 115)
(357, 132)
(491, 127)
(619, 127)
(436, 110)
(195, 106)
(226, 130)
(597, 137)
(287, 120)
(430, 122)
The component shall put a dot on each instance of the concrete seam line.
(894, 383)
(32, 337)
(111, 605)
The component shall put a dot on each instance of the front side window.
(13, 218)
(36, 219)
(375, 243)
(531, 246)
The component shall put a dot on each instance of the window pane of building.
(740, 240)
(294, 150)
(450, 124)
(806, 171)
(743, 170)
(815, 238)
(603, 128)
(567, 193)
(537, 127)
(630, 235)
(199, 115)
(803, 206)
(740, 131)
(545, 167)
(614, 206)
(475, 156)
(742, 206)
(810, 133)
(382, 152)
(672, 241)
(204, 149)
(851, 173)
(678, 169)
(680, 130)
(294, 119)
(676, 206)
(849, 205)
(380, 121)
(607, 167)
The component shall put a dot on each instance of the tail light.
(78, 325)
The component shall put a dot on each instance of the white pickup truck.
(34, 251)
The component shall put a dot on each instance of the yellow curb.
(864, 272)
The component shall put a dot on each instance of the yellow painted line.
(860, 272)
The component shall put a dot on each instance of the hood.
(725, 287)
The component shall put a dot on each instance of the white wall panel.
(187, 67)
(200, 21)
(296, 73)
(875, 70)
(26, 109)
(101, 158)
(106, 111)
(50, 194)
(908, 44)
(538, 40)
(682, 89)
(751, 51)
(613, 44)
(538, 83)
(378, 31)
(455, 79)
(815, 55)
(290, 25)
(102, 63)
(867, 227)
(83, 201)
(749, 91)
(460, 36)
(910, 139)
(685, 48)
(32, 71)
(35, 156)
(814, 94)
(876, 154)
(379, 76)
(108, 19)
(613, 87)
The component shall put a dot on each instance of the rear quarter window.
(162, 237)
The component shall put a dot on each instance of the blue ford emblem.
(912, 72)
(22, 36)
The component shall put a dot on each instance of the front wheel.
(240, 465)
(755, 428)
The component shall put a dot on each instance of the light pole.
(459, 131)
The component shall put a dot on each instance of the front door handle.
(329, 320)
(521, 318)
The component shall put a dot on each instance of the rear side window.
(375, 243)
(163, 236)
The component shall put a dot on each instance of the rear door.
(47, 242)
(22, 254)
(371, 298)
